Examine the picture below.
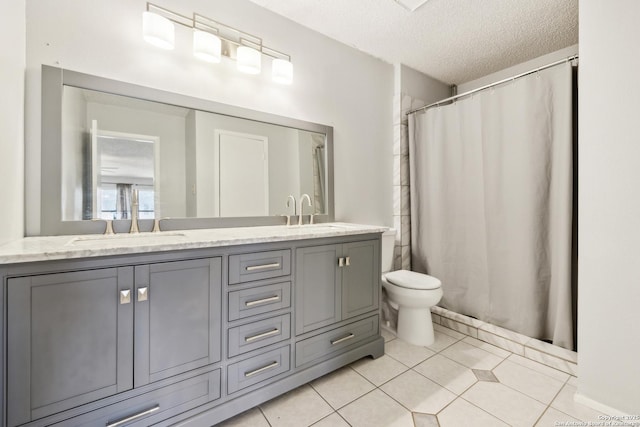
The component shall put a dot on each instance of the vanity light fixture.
(249, 60)
(158, 30)
(212, 40)
(207, 46)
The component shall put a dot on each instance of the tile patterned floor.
(458, 381)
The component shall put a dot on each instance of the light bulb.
(282, 71)
(158, 30)
(206, 46)
(249, 60)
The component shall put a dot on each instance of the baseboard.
(600, 407)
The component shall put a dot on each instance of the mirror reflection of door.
(243, 181)
(122, 162)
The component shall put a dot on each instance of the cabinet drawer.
(336, 340)
(259, 265)
(261, 299)
(259, 334)
(154, 406)
(258, 368)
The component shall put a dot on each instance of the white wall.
(75, 139)
(519, 68)
(283, 160)
(170, 129)
(12, 66)
(333, 84)
(609, 205)
(420, 86)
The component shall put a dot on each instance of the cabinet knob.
(125, 296)
(143, 294)
(341, 262)
(347, 261)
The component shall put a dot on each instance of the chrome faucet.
(291, 199)
(134, 212)
(304, 196)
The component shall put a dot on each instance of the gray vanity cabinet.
(335, 282)
(70, 340)
(81, 336)
(177, 318)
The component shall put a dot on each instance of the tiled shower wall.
(401, 195)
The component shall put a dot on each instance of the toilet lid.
(412, 280)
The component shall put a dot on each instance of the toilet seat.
(412, 280)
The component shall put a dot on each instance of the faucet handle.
(108, 229)
(156, 225)
(288, 218)
(311, 219)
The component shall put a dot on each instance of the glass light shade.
(249, 60)
(282, 71)
(206, 46)
(158, 30)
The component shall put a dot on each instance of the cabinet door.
(317, 287)
(360, 278)
(70, 340)
(178, 315)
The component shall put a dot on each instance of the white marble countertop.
(32, 249)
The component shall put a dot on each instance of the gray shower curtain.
(491, 203)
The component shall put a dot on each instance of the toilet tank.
(388, 243)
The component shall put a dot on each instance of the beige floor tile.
(462, 413)
(454, 334)
(508, 405)
(539, 367)
(342, 387)
(447, 373)
(251, 418)
(376, 409)
(553, 418)
(379, 370)
(441, 341)
(471, 357)
(564, 403)
(299, 407)
(425, 420)
(487, 347)
(407, 354)
(333, 420)
(387, 335)
(528, 381)
(418, 393)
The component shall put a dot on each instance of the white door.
(243, 185)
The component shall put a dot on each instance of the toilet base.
(415, 326)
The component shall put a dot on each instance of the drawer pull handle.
(262, 301)
(125, 296)
(262, 267)
(347, 261)
(273, 332)
(343, 339)
(133, 417)
(260, 370)
(341, 262)
(143, 294)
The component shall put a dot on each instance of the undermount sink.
(140, 238)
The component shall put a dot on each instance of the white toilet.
(412, 294)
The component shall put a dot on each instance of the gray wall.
(609, 206)
(333, 84)
(12, 66)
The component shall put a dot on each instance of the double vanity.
(183, 327)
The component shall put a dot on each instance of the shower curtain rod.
(453, 98)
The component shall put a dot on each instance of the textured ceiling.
(454, 41)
